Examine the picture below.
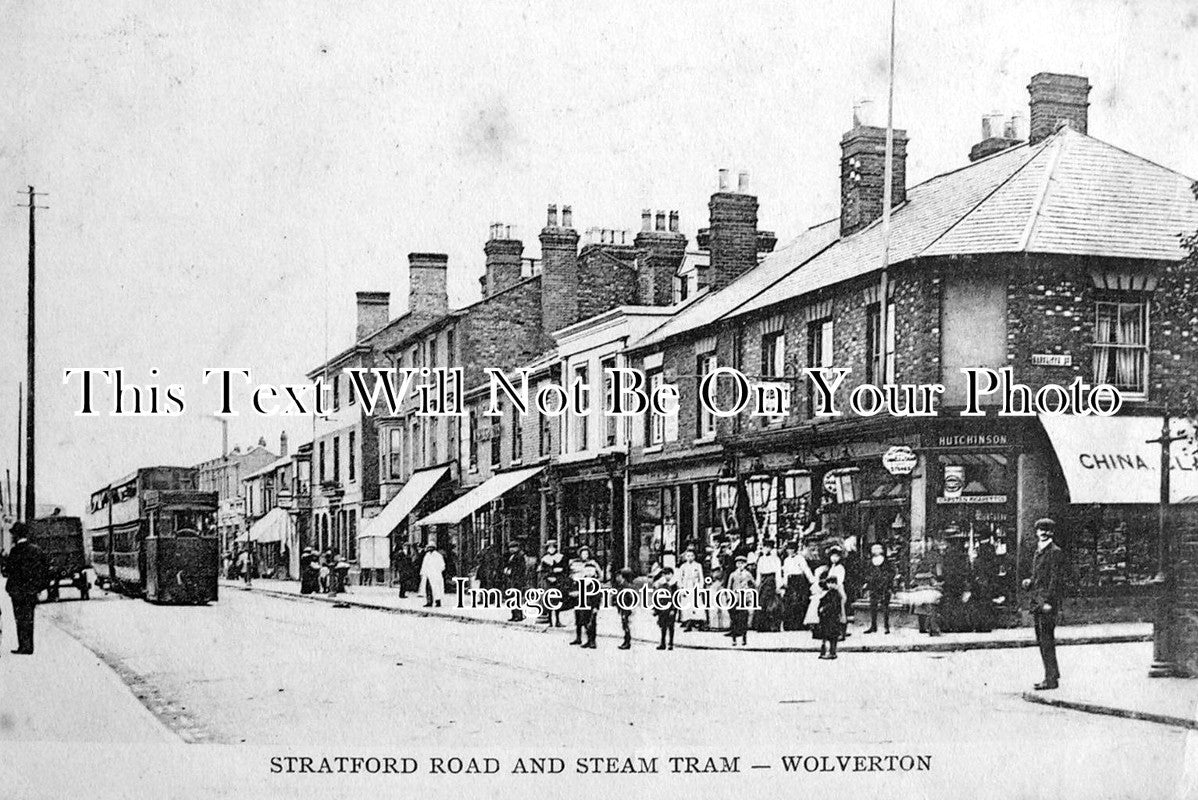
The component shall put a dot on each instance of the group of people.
(799, 587)
(324, 573)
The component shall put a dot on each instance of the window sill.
(705, 440)
(653, 448)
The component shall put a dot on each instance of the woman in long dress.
(690, 580)
(796, 579)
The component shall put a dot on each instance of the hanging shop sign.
(900, 460)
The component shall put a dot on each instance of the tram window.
(192, 522)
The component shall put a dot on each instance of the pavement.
(1125, 690)
(644, 626)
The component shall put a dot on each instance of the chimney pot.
(661, 221)
(567, 217)
(723, 180)
(674, 222)
(742, 182)
(646, 219)
(551, 219)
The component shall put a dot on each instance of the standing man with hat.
(514, 575)
(26, 571)
(432, 576)
(1047, 590)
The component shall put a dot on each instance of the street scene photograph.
(516, 399)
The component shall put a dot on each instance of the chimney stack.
(504, 258)
(283, 451)
(427, 289)
(998, 133)
(659, 254)
(862, 173)
(732, 236)
(373, 312)
(1056, 97)
(559, 272)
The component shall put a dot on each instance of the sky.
(223, 177)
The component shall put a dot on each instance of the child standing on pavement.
(667, 613)
(624, 579)
(831, 617)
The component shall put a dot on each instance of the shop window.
(352, 535)
(655, 526)
(1121, 345)
(819, 352)
(706, 365)
(879, 345)
(1111, 547)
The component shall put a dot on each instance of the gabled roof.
(1070, 194)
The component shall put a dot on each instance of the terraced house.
(1053, 255)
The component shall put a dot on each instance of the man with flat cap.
(26, 571)
(1047, 589)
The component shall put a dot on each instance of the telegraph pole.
(1163, 665)
(31, 336)
(20, 447)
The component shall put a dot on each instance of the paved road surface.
(267, 671)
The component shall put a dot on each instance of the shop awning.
(1110, 459)
(409, 496)
(479, 496)
(271, 528)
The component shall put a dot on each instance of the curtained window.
(1121, 345)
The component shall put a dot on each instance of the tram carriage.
(153, 535)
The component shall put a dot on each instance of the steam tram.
(153, 535)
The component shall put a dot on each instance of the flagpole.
(884, 320)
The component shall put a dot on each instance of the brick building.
(224, 476)
(1049, 256)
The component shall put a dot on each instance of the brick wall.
(502, 331)
(607, 277)
(1184, 616)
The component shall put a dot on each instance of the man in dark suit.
(1047, 590)
(515, 571)
(26, 571)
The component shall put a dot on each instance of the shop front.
(1105, 476)
(971, 543)
(589, 502)
(475, 530)
(672, 507)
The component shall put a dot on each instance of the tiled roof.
(710, 306)
(1080, 196)
(1071, 194)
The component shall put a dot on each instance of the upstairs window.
(582, 377)
(773, 355)
(610, 422)
(879, 345)
(1121, 345)
(655, 433)
(706, 365)
(517, 437)
(819, 352)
